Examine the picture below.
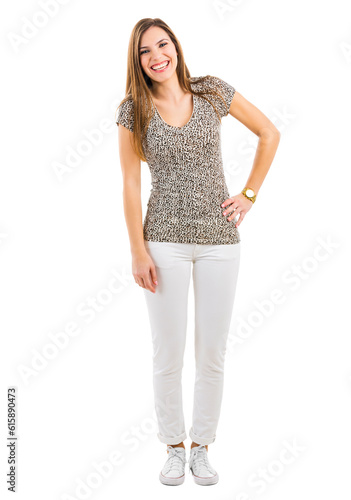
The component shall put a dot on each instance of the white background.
(63, 242)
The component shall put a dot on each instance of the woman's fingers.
(145, 279)
(228, 200)
(153, 275)
(149, 285)
(144, 272)
(239, 221)
(234, 206)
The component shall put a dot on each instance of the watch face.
(249, 192)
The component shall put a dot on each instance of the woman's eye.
(143, 51)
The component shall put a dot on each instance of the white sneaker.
(173, 472)
(202, 471)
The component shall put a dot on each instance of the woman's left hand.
(240, 204)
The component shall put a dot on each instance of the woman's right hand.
(144, 270)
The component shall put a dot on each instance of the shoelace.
(200, 453)
(175, 460)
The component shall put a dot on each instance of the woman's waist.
(191, 191)
(205, 208)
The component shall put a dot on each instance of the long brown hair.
(138, 83)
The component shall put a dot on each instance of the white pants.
(215, 273)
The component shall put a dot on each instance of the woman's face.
(158, 55)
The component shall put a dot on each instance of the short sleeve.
(226, 90)
(125, 115)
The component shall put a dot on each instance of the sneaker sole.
(171, 481)
(206, 481)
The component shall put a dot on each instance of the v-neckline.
(174, 126)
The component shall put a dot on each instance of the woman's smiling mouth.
(160, 67)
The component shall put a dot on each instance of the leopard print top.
(187, 176)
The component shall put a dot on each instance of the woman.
(172, 121)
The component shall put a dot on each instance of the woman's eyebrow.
(146, 47)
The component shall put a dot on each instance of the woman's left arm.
(269, 137)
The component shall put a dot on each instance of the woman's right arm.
(143, 267)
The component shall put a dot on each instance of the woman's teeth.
(158, 68)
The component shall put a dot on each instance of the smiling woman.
(172, 121)
(187, 142)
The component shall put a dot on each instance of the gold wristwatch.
(249, 193)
